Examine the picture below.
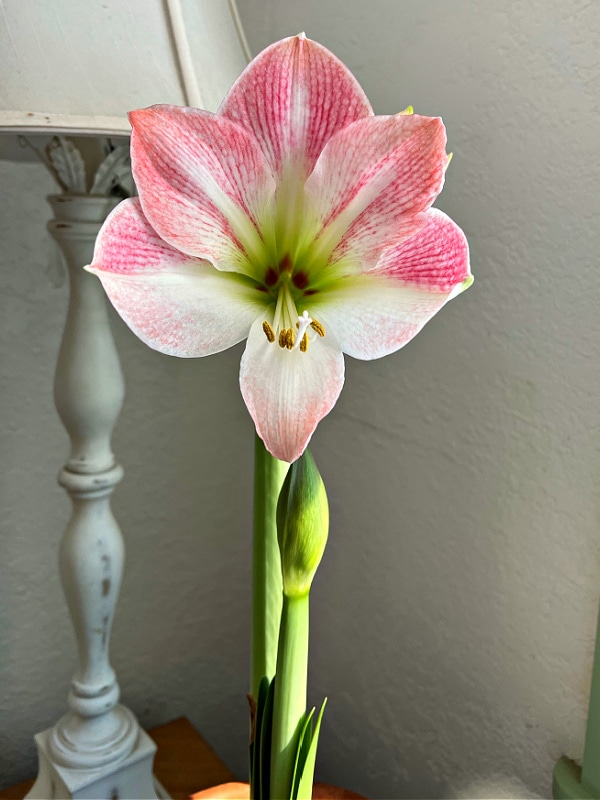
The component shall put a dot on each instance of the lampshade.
(77, 66)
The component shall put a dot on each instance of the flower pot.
(241, 791)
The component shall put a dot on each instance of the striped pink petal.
(294, 97)
(288, 392)
(378, 312)
(175, 303)
(204, 184)
(436, 258)
(372, 181)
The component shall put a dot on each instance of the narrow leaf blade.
(304, 741)
(266, 735)
(308, 773)
(255, 745)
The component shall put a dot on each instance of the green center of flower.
(290, 330)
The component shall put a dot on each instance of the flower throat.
(289, 329)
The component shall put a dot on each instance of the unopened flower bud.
(302, 525)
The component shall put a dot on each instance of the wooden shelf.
(184, 762)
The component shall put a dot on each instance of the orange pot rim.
(241, 791)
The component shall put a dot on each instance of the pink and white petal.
(195, 312)
(378, 312)
(436, 258)
(203, 182)
(288, 392)
(127, 243)
(372, 180)
(175, 303)
(293, 97)
(373, 317)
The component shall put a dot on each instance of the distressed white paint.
(95, 749)
(455, 609)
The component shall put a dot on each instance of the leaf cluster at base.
(260, 748)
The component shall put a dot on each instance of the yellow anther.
(304, 344)
(269, 333)
(286, 338)
(407, 111)
(316, 326)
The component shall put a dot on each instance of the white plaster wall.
(454, 614)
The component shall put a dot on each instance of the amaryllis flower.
(294, 218)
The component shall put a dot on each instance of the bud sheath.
(302, 525)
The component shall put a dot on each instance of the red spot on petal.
(271, 277)
(300, 280)
(310, 292)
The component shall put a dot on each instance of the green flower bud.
(302, 525)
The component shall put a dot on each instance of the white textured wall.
(454, 614)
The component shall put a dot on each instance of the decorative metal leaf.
(67, 163)
(115, 170)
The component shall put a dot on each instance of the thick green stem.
(269, 474)
(290, 693)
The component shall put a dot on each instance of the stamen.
(316, 326)
(269, 332)
(288, 329)
(286, 338)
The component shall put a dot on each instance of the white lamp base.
(129, 779)
(97, 749)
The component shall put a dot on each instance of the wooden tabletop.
(184, 763)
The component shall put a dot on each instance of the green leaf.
(266, 733)
(255, 776)
(308, 773)
(304, 740)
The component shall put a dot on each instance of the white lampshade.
(78, 66)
